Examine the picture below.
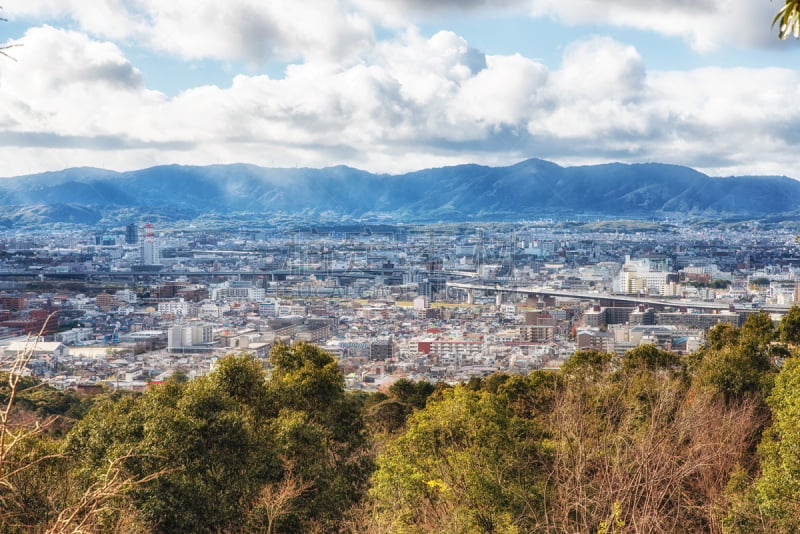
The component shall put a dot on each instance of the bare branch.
(6, 47)
(100, 497)
(277, 500)
(4, 53)
(10, 434)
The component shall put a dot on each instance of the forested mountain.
(645, 442)
(528, 189)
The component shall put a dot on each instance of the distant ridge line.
(529, 189)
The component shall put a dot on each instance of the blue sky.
(398, 85)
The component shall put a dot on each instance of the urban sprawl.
(127, 308)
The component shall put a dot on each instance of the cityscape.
(131, 306)
(381, 266)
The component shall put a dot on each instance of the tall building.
(151, 253)
(131, 234)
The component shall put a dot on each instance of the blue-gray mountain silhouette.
(529, 189)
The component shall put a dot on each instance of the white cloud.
(504, 93)
(66, 83)
(594, 94)
(429, 69)
(412, 102)
(403, 13)
(106, 18)
(344, 30)
(600, 68)
(706, 24)
(255, 30)
(250, 30)
(743, 116)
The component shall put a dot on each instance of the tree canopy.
(649, 440)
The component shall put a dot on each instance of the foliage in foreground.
(647, 441)
(643, 442)
(214, 454)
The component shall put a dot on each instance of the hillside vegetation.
(530, 189)
(644, 442)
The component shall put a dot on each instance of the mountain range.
(530, 189)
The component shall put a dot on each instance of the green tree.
(465, 463)
(587, 363)
(723, 335)
(738, 363)
(42, 399)
(232, 440)
(758, 331)
(198, 433)
(320, 430)
(649, 358)
(531, 397)
(413, 393)
(735, 372)
(789, 327)
(778, 487)
(307, 378)
(388, 413)
(243, 380)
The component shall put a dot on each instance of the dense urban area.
(441, 303)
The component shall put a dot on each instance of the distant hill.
(530, 189)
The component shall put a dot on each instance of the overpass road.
(614, 298)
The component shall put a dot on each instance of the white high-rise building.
(151, 251)
(151, 255)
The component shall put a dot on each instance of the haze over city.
(397, 86)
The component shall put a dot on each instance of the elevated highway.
(610, 299)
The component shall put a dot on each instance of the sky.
(393, 86)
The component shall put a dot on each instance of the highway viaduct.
(608, 299)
